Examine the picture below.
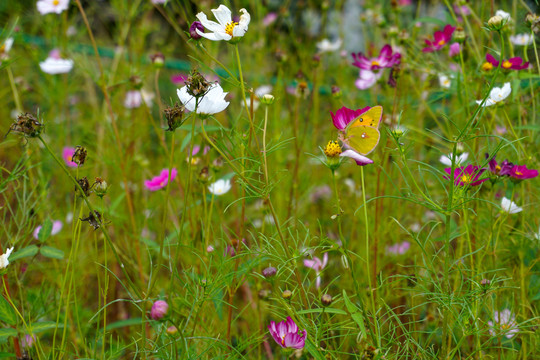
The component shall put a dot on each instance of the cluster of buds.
(174, 116)
(26, 124)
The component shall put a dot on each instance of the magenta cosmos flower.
(501, 169)
(385, 60)
(520, 172)
(440, 39)
(286, 334)
(318, 265)
(465, 176)
(515, 63)
(160, 181)
(67, 155)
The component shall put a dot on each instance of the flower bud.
(459, 35)
(326, 299)
(217, 164)
(196, 25)
(100, 187)
(344, 261)
(136, 82)
(267, 99)
(171, 330)
(287, 294)
(264, 294)
(158, 59)
(495, 22)
(336, 92)
(204, 175)
(269, 272)
(159, 310)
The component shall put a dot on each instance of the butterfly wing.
(363, 139)
(372, 118)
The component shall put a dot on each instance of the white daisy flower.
(447, 160)
(444, 81)
(4, 48)
(497, 95)
(54, 64)
(52, 6)
(220, 187)
(210, 103)
(509, 206)
(522, 39)
(225, 29)
(4, 262)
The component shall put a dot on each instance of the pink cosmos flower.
(67, 155)
(398, 248)
(504, 322)
(454, 49)
(344, 116)
(501, 169)
(385, 60)
(440, 39)
(159, 310)
(179, 79)
(286, 334)
(467, 176)
(270, 18)
(520, 172)
(160, 181)
(367, 79)
(515, 63)
(56, 227)
(317, 265)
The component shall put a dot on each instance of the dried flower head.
(84, 184)
(26, 124)
(79, 156)
(197, 85)
(94, 219)
(174, 116)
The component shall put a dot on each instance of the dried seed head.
(94, 219)
(79, 156)
(197, 85)
(26, 124)
(85, 186)
(174, 116)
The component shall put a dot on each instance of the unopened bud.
(158, 59)
(327, 299)
(196, 25)
(100, 187)
(495, 22)
(287, 294)
(459, 35)
(269, 272)
(336, 92)
(267, 99)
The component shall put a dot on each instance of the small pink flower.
(67, 155)
(159, 310)
(386, 59)
(440, 39)
(454, 49)
(160, 181)
(318, 265)
(398, 248)
(133, 99)
(270, 18)
(515, 63)
(286, 334)
(56, 227)
(504, 322)
(179, 79)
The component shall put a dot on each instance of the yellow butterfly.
(362, 134)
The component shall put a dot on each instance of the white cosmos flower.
(54, 64)
(4, 262)
(522, 39)
(134, 99)
(220, 187)
(503, 14)
(447, 160)
(211, 103)
(52, 6)
(5, 47)
(497, 95)
(326, 45)
(444, 81)
(509, 206)
(225, 29)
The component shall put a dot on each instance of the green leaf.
(431, 20)
(355, 314)
(7, 314)
(326, 310)
(4, 355)
(7, 332)
(44, 326)
(24, 252)
(51, 252)
(124, 323)
(45, 231)
(312, 349)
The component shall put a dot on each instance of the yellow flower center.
(332, 149)
(487, 66)
(507, 64)
(56, 2)
(465, 179)
(375, 63)
(497, 169)
(505, 326)
(229, 28)
(519, 173)
(441, 42)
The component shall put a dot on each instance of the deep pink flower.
(521, 172)
(501, 169)
(344, 116)
(454, 49)
(160, 181)
(440, 39)
(385, 60)
(286, 334)
(159, 309)
(465, 176)
(179, 79)
(515, 63)
(318, 265)
(67, 155)
(196, 25)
